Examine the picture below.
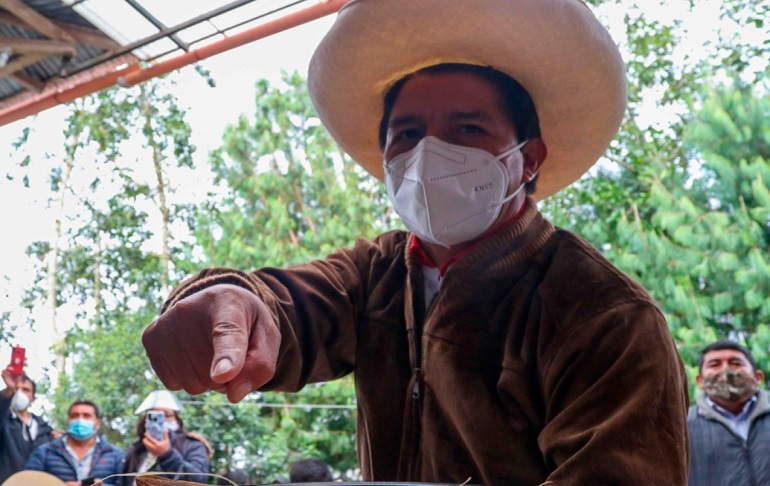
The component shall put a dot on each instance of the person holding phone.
(20, 430)
(82, 455)
(167, 448)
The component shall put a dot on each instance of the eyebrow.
(733, 359)
(402, 120)
(470, 115)
(455, 116)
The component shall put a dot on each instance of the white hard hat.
(159, 399)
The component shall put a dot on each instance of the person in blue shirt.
(81, 453)
(729, 425)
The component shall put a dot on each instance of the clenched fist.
(222, 338)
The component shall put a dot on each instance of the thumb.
(233, 314)
(261, 358)
(230, 340)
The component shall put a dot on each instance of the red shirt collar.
(420, 256)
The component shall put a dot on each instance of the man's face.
(27, 388)
(728, 376)
(462, 109)
(85, 412)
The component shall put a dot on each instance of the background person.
(310, 470)
(179, 451)
(237, 476)
(485, 342)
(81, 453)
(20, 430)
(730, 424)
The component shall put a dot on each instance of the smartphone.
(88, 482)
(153, 423)
(17, 361)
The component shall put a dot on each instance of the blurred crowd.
(80, 455)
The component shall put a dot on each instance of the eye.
(470, 129)
(405, 135)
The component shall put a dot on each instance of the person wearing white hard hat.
(488, 346)
(178, 451)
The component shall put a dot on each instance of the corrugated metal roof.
(48, 68)
(55, 9)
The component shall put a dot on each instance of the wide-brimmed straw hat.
(32, 478)
(557, 49)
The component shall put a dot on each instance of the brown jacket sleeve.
(616, 401)
(316, 306)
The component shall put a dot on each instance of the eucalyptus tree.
(112, 266)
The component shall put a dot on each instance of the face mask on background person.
(81, 429)
(730, 385)
(448, 194)
(20, 401)
(171, 426)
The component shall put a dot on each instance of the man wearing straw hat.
(486, 343)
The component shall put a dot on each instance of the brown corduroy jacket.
(537, 362)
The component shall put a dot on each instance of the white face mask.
(171, 426)
(20, 401)
(448, 194)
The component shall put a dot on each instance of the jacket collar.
(762, 408)
(101, 443)
(511, 245)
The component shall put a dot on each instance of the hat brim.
(32, 478)
(556, 49)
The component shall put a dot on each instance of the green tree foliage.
(668, 205)
(289, 193)
(702, 251)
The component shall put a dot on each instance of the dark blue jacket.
(189, 453)
(53, 458)
(14, 448)
(720, 457)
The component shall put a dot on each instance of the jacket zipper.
(418, 374)
(747, 453)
